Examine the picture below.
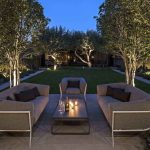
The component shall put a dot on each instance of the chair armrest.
(9, 105)
(129, 116)
(130, 106)
(43, 89)
(63, 86)
(102, 89)
(16, 115)
(83, 86)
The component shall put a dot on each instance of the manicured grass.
(92, 76)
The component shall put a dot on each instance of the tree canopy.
(125, 28)
(20, 22)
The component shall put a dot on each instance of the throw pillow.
(25, 96)
(73, 84)
(110, 90)
(36, 92)
(9, 98)
(122, 96)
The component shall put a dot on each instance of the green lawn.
(92, 76)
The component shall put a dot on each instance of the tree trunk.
(130, 72)
(14, 74)
(126, 70)
(89, 64)
(10, 73)
(133, 79)
(17, 70)
(127, 75)
(87, 61)
(14, 77)
(55, 66)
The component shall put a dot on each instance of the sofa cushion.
(39, 104)
(10, 92)
(121, 95)
(136, 94)
(102, 89)
(72, 91)
(105, 102)
(112, 90)
(109, 91)
(73, 84)
(25, 96)
(36, 92)
(9, 98)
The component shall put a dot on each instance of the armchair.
(73, 86)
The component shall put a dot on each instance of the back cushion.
(73, 84)
(25, 96)
(111, 90)
(118, 93)
(121, 95)
(136, 94)
(9, 93)
(102, 89)
(36, 92)
(118, 85)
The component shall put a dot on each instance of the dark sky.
(72, 14)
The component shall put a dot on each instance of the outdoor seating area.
(74, 75)
(100, 134)
(96, 117)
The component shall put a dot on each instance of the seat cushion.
(73, 84)
(73, 91)
(105, 102)
(36, 92)
(39, 105)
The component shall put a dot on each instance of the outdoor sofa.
(20, 115)
(132, 115)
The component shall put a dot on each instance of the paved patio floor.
(98, 139)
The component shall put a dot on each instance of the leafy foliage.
(55, 40)
(20, 22)
(84, 53)
(125, 27)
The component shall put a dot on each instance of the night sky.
(72, 14)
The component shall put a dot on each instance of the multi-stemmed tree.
(86, 44)
(125, 27)
(20, 21)
(56, 40)
(84, 52)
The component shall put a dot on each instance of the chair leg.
(30, 139)
(85, 97)
(113, 139)
(60, 91)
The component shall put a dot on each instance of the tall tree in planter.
(20, 21)
(125, 26)
(84, 52)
